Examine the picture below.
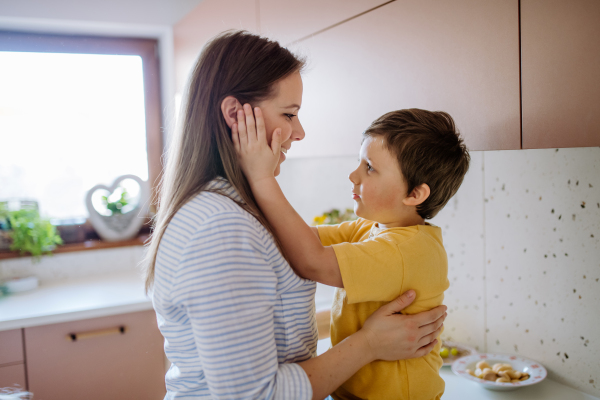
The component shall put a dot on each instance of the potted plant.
(334, 216)
(27, 232)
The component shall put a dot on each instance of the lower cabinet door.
(12, 376)
(116, 357)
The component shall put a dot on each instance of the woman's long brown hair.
(235, 63)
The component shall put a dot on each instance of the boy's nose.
(353, 177)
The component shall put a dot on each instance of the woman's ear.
(418, 195)
(229, 107)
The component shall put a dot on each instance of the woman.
(237, 321)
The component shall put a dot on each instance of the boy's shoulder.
(417, 235)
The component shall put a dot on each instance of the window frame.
(147, 49)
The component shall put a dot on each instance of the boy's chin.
(358, 212)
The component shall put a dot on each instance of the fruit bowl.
(535, 370)
(461, 351)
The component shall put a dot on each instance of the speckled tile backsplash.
(523, 243)
(462, 223)
(542, 249)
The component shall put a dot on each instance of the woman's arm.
(309, 258)
(386, 335)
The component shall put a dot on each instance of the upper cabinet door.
(288, 21)
(560, 73)
(458, 56)
(207, 20)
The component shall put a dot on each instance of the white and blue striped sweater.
(234, 315)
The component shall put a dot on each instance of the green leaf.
(32, 234)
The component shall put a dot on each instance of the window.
(76, 111)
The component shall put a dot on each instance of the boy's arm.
(315, 231)
(309, 258)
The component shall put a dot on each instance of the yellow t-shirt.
(377, 265)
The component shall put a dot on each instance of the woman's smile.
(283, 154)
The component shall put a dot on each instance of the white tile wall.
(315, 185)
(73, 265)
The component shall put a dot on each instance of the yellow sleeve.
(333, 234)
(372, 270)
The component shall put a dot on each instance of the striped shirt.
(235, 316)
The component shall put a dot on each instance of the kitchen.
(512, 291)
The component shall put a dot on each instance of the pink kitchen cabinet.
(13, 375)
(206, 20)
(289, 20)
(560, 73)
(11, 347)
(116, 357)
(12, 367)
(459, 56)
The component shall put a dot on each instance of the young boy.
(411, 163)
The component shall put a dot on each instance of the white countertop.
(458, 388)
(74, 299)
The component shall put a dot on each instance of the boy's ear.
(418, 195)
(229, 107)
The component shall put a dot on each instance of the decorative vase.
(118, 226)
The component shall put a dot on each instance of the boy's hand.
(257, 159)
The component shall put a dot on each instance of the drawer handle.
(73, 337)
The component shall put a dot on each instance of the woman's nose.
(298, 131)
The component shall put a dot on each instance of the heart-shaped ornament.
(116, 222)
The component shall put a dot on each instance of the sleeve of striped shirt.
(228, 289)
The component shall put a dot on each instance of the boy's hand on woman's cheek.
(257, 158)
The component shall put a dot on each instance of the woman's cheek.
(285, 136)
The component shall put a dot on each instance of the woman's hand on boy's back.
(394, 336)
(257, 157)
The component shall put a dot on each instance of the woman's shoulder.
(217, 205)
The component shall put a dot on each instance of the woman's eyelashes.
(289, 116)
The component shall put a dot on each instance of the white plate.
(536, 371)
(463, 351)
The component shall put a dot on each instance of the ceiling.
(147, 12)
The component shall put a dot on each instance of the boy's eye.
(369, 168)
(290, 116)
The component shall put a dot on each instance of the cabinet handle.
(73, 337)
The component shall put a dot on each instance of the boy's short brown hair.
(429, 150)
